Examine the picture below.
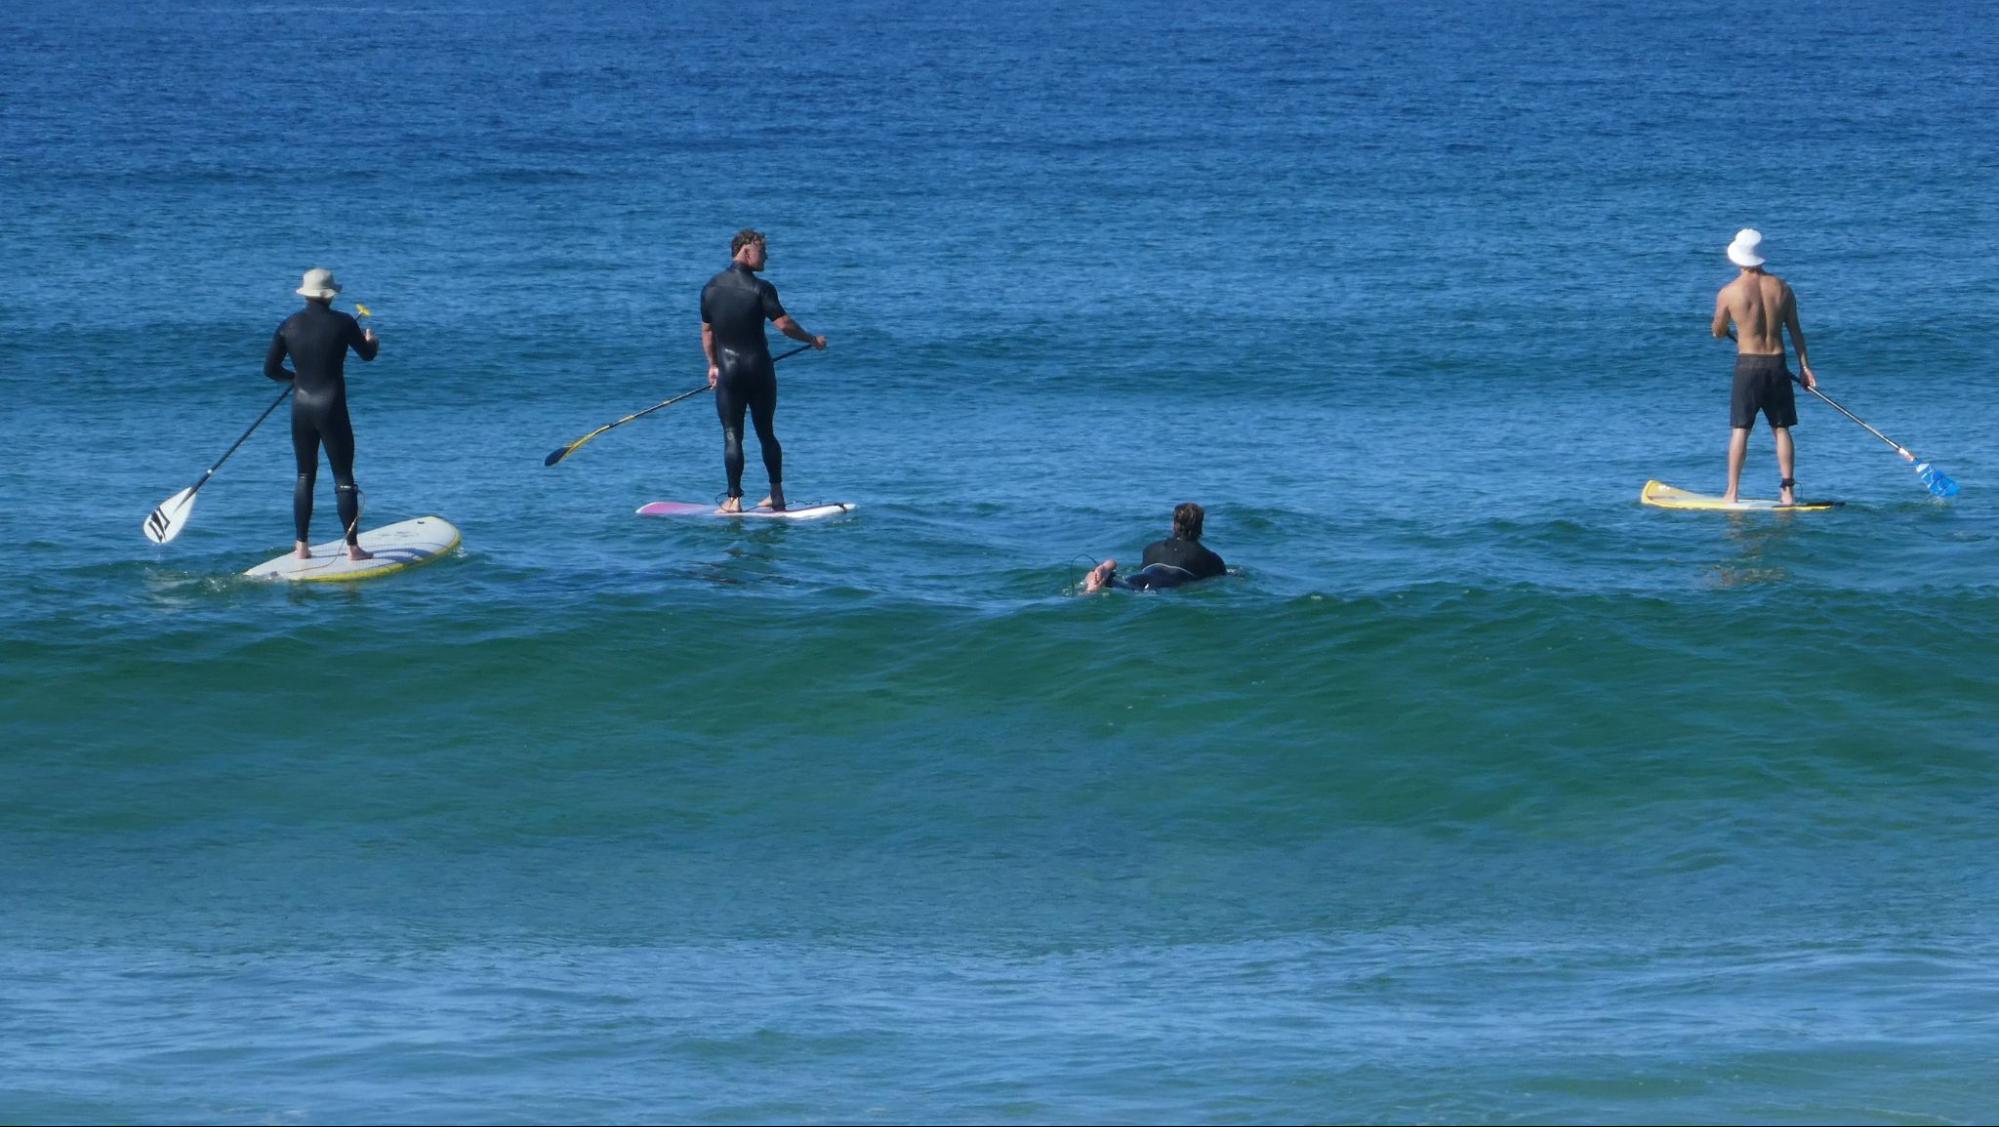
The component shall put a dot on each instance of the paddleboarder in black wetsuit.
(1178, 559)
(317, 339)
(734, 306)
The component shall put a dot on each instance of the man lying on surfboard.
(1762, 307)
(1180, 558)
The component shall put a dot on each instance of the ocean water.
(1479, 793)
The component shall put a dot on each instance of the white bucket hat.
(319, 283)
(1747, 249)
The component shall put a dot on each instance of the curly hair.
(1187, 519)
(744, 238)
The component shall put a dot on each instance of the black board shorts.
(1762, 383)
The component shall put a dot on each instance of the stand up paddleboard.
(397, 546)
(1661, 495)
(691, 509)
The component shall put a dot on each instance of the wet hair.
(1187, 518)
(744, 238)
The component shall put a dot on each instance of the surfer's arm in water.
(1101, 576)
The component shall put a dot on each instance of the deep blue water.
(1478, 793)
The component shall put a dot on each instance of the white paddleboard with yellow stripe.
(1661, 495)
(398, 546)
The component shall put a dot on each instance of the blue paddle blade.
(1938, 482)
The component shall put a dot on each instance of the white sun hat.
(319, 283)
(1747, 249)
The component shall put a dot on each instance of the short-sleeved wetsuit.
(1187, 555)
(1171, 562)
(735, 305)
(317, 339)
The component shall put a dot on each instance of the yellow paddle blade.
(363, 310)
(562, 452)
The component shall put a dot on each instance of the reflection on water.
(1753, 536)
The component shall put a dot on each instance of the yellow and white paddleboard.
(405, 544)
(1664, 496)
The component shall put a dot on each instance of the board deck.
(1661, 495)
(694, 509)
(398, 546)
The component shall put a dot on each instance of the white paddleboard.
(404, 544)
(1661, 495)
(691, 509)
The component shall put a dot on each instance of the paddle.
(170, 518)
(1935, 480)
(561, 452)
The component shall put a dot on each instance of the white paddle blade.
(170, 518)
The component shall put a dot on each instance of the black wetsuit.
(1171, 562)
(734, 305)
(317, 339)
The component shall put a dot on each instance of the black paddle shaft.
(242, 440)
(561, 452)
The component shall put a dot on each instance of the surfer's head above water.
(1168, 563)
(1187, 520)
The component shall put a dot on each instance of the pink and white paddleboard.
(692, 509)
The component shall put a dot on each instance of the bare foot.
(1099, 576)
(355, 553)
(732, 505)
(301, 550)
(1785, 496)
(1728, 498)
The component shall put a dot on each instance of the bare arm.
(1797, 336)
(1720, 326)
(790, 328)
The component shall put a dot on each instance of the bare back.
(1761, 306)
